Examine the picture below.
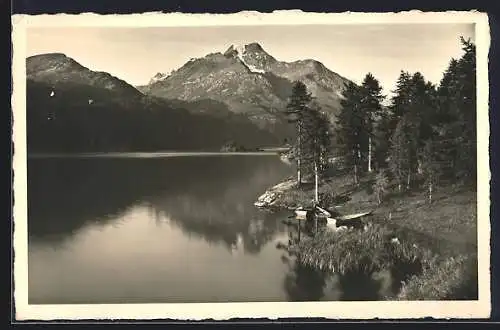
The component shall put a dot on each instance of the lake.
(164, 230)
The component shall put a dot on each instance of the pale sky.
(136, 54)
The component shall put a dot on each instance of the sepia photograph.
(286, 163)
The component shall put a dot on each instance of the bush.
(380, 186)
(451, 279)
(327, 196)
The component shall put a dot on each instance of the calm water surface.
(174, 229)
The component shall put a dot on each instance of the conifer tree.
(316, 142)
(296, 110)
(457, 113)
(371, 112)
(350, 134)
(402, 153)
(401, 100)
(467, 157)
(414, 108)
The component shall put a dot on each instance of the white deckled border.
(220, 311)
(284, 17)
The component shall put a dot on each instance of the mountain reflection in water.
(212, 197)
(161, 230)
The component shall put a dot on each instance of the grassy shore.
(430, 248)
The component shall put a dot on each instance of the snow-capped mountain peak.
(240, 51)
(251, 82)
(157, 77)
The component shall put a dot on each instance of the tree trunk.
(299, 175)
(430, 192)
(408, 181)
(299, 156)
(400, 178)
(378, 197)
(316, 182)
(315, 225)
(355, 174)
(298, 228)
(359, 155)
(370, 154)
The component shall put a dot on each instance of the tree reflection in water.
(208, 197)
(301, 283)
(223, 212)
(304, 283)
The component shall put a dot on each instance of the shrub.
(295, 197)
(450, 279)
(327, 196)
(380, 186)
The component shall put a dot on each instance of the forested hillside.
(73, 109)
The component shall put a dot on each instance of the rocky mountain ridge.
(250, 81)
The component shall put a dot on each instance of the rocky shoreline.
(272, 198)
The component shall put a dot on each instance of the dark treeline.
(68, 117)
(426, 133)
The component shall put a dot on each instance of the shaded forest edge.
(69, 118)
(413, 163)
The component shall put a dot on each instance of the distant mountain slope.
(57, 68)
(71, 108)
(249, 81)
(224, 79)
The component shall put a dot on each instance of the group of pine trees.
(313, 134)
(426, 132)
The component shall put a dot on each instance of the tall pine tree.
(413, 107)
(457, 114)
(296, 111)
(350, 133)
(402, 156)
(316, 142)
(371, 112)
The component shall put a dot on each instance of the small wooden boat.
(323, 211)
(333, 221)
(301, 213)
(346, 221)
(354, 216)
(352, 220)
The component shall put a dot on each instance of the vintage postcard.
(251, 165)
